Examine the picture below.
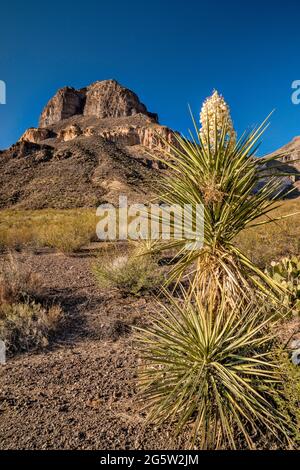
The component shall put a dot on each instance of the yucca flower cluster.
(214, 115)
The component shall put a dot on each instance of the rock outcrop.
(108, 99)
(103, 99)
(92, 145)
(290, 153)
(36, 135)
(65, 103)
(287, 164)
(70, 132)
(104, 108)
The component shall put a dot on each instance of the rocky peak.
(67, 102)
(109, 99)
(102, 99)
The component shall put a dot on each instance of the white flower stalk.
(214, 114)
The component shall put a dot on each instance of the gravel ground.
(80, 392)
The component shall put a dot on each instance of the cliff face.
(104, 99)
(108, 99)
(91, 145)
(65, 103)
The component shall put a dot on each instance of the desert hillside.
(91, 145)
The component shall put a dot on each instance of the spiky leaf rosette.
(222, 174)
(208, 370)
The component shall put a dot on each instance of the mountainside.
(288, 164)
(290, 153)
(91, 145)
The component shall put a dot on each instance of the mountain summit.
(102, 99)
(91, 145)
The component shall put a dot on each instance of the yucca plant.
(213, 169)
(209, 370)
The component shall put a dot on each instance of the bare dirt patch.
(79, 393)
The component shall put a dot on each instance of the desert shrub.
(287, 273)
(24, 323)
(208, 368)
(25, 326)
(17, 282)
(131, 273)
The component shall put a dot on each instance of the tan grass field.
(65, 230)
(69, 230)
(275, 240)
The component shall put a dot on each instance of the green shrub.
(25, 326)
(287, 273)
(131, 274)
(207, 367)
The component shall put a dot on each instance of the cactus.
(287, 273)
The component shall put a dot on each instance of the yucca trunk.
(217, 272)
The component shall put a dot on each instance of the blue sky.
(170, 53)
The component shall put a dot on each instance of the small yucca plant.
(209, 369)
(222, 174)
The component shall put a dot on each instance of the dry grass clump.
(17, 238)
(24, 323)
(25, 326)
(66, 237)
(17, 283)
(131, 273)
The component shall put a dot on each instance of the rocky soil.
(80, 393)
